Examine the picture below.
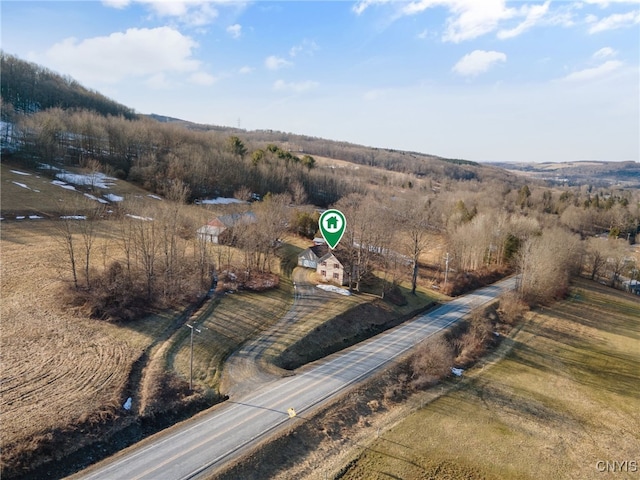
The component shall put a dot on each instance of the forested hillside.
(29, 88)
(419, 164)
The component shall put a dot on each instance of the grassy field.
(566, 397)
(57, 369)
(235, 319)
(31, 192)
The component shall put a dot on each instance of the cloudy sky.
(485, 80)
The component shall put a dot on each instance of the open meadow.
(564, 404)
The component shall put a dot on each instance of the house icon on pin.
(332, 223)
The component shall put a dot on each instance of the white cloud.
(298, 87)
(116, 3)
(423, 34)
(470, 18)
(307, 46)
(135, 53)
(604, 53)
(275, 63)
(235, 30)
(478, 61)
(594, 72)
(612, 22)
(202, 78)
(362, 5)
(533, 14)
(158, 81)
(245, 70)
(606, 3)
(190, 12)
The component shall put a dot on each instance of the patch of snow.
(37, 191)
(113, 198)
(218, 201)
(73, 217)
(18, 172)
(35, 217)
(63, 185)
(138, 217)
(97, 179)
(334, 289)
(154, 196)
(46, 166)
(20, 184)
(127, 404)
(92, 197)
(497, 334)
(20, 217)
(457, 371)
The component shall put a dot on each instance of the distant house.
(325, 263)
(214, 230)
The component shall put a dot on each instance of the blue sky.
(485, 80)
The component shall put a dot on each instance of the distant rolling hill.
(588, 172)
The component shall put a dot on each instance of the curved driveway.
(199, 446)
(244, 370)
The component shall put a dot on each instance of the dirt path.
(248, 368)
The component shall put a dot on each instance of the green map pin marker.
(332, 226)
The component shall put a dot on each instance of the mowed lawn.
(565, 400)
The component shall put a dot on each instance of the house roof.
(314, 253)
(232, 219)
(332, 254)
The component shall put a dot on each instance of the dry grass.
(57, 369)
(236, 319)
(567, 396)
(43, 198)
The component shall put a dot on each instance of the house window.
(335, 265)
(323, 273)
(324, 264)
(336, 276)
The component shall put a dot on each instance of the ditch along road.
(246, 369)
(198, 447)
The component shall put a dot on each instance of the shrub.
(473, 342)
(432, 362)
(511, 308)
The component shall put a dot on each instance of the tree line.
(154, 155)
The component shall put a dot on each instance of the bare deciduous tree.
(546, 263)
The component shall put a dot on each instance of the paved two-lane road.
(204, 444)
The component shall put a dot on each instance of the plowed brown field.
(57, 369)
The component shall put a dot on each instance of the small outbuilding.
(309, 257)
(214, 230)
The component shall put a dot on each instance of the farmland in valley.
(565, 398)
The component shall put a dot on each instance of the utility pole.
(446, 271)
(191, 359)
